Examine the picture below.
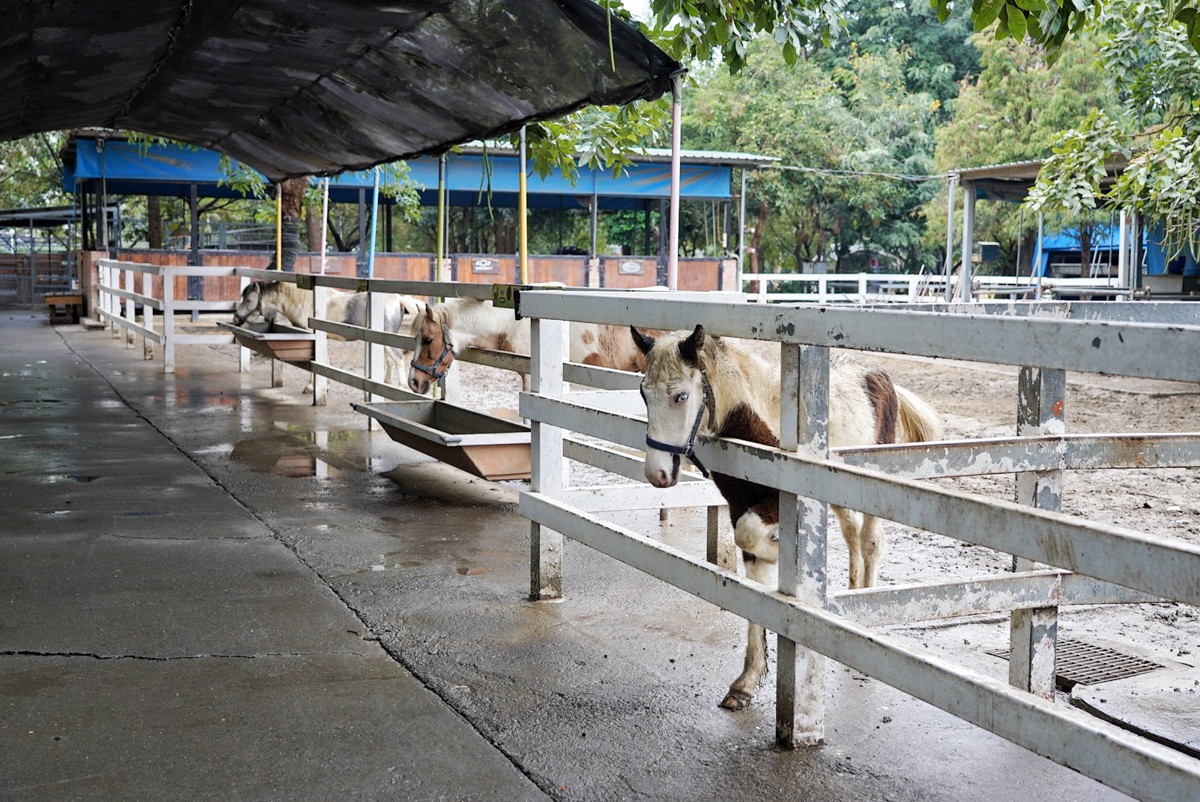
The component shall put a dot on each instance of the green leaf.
(1016, 22)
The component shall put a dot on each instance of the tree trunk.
(154, 221)
(756, 240)
(312, 230)
(1085, 250)
(292, 191)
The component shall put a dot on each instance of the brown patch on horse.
(587, 338)
(596, 360)
(744, 423)
(503, 343)
(882, 394)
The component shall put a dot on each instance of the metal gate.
(1058, 559)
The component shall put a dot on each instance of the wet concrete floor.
(210, 589)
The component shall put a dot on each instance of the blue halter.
(688, 448)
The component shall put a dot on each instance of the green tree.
(835, 133)
(1013, 113)
(31, 172)
(1151, 59)
(937, 56)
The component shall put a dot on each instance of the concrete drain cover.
(1079, 663)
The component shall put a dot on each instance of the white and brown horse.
(700, 384)
(265, 301)
(443, 330)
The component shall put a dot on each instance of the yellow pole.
(278, 226)
(522, 217)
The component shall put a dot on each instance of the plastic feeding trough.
(276, 340)
(480, 444)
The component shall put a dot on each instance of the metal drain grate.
(1079, 663)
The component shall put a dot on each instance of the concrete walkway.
(158, 643)
(211, 590)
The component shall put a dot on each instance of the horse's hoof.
(736, 700)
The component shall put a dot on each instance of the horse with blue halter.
(697, 384)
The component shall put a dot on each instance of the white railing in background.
(1090, 562)
(870, 288)
(118, 299)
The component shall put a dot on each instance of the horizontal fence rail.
(1090, 562)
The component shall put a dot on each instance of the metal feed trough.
(1058, 559)
(275, 340)
(480, 444)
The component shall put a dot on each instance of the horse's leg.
(871, 543)
(851, 524)
(760, 551)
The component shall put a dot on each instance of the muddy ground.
(977, 401)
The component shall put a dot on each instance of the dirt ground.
(977, 401)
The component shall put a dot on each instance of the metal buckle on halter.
(688, 449)
(447, 349)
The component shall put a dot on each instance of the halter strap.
(257, 307)
(447, 350)
(688, 449)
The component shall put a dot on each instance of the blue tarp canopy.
(131, 169)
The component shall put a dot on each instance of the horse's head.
(676, 393)
(434, 352)
(249, 308)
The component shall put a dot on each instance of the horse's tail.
(919, 422)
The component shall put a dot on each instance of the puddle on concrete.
(298, 454)
(59, 478)
(54, 512)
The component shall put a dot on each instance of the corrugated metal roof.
(304, 88)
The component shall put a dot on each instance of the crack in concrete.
(166, 659)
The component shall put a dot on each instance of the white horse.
(700, 384)
(443, 330)
(265, 301)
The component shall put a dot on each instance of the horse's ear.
(690, 348)
(644, 342)
(428, 311)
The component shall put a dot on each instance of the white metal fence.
(118, 299)
(870, 288)
(1088, 562)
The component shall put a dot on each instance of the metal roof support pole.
(741, 233)
(1037, 255)
(324, 224)
(950, 233)
(968, 244)
(278, 227)
(595, 222)
(195, 284)
(1123, 253)
(673, 236)
(374, 226)
(523, 215)
(440, 250)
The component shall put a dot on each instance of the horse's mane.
(736, 374)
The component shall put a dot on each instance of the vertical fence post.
(148, 314)
(243, 351)
(800, 685)
(320, 297)
(1033, 634)
(375, 364)
(548, 469)
(130, 309)
(168, 283)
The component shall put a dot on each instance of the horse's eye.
(679, 398)
(426, 341)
